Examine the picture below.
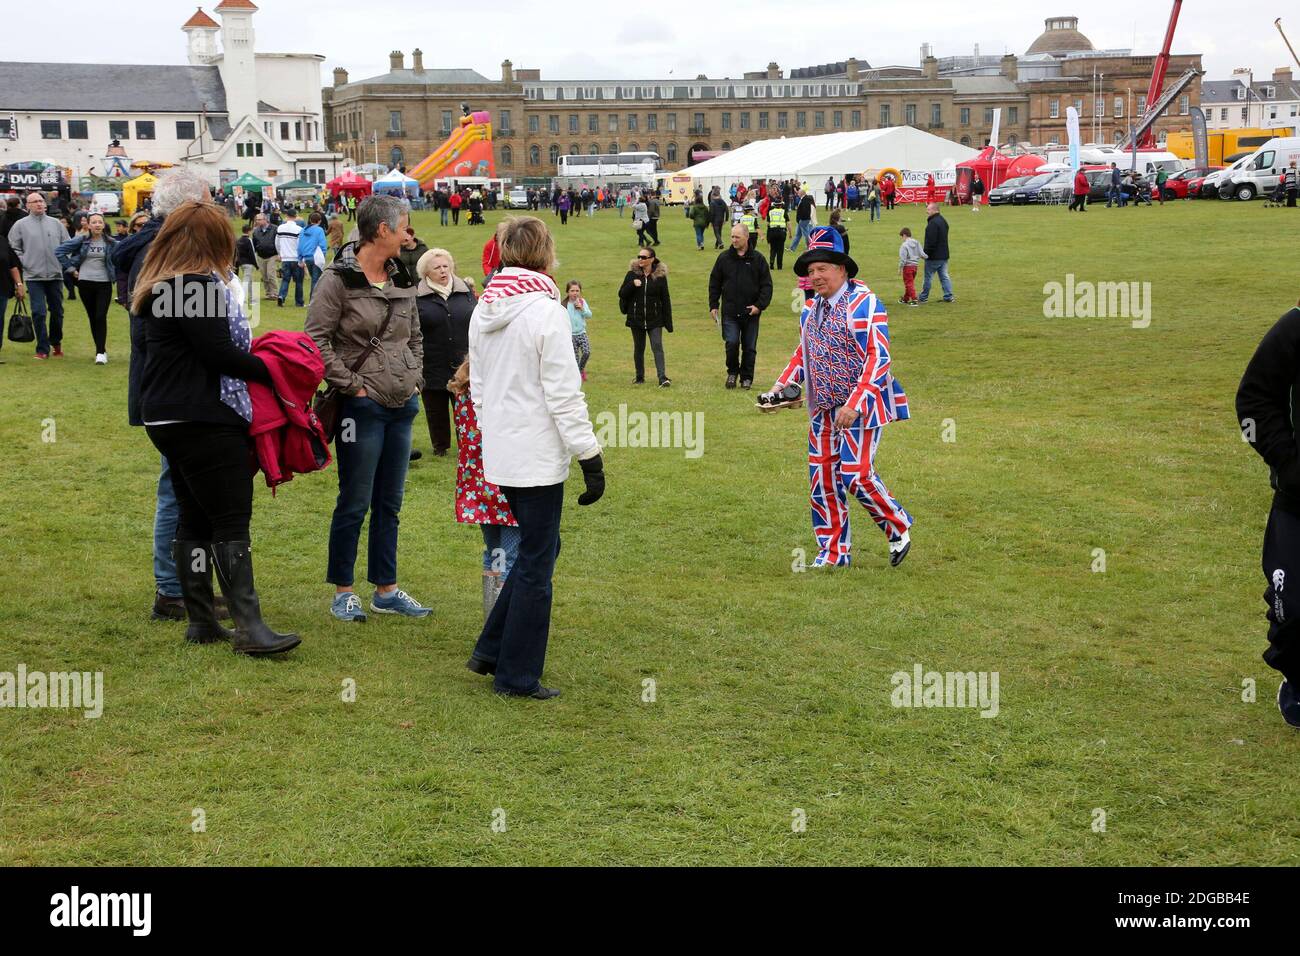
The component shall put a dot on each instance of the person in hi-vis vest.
(776, 215)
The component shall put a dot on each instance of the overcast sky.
(680, 38)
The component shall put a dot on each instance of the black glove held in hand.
(593, 470)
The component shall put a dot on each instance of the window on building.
(395, 156)
(507, 156)
(855, 119)
(534, 155)
(394, 121)
(51, 129)
(613, 147)
(936, 114)
(239, 149)
(652, 121)
(1184, 105)
(672, 123)
(184, 130)
(1245, 114)
(1054, 109)
(119, 129)
(965, 116)
(553, 123)
(631, 122)
(699, 121)
(988, 116)
(446, 122)
(1142, 106)
(837, 119)
(573, 149)
(593, 150)
(782, 120)
(573, 123)
(613, 123)
(800, 119)
(909, 114)
(144, 129)
(1013, 114)
(1099, 107)
(534, 125)
(554, 153)
(297, 129)
(762, 120)
(884, 114)
(965, 140)
(77, 129)
(726, 146)
(1223, 115)
(1270, 92)
(672, 152)
(632, 147)
(819, 119)
(726, 121)
(284, 130)
(5, 129)
(505, 120)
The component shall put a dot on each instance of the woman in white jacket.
(528, 399)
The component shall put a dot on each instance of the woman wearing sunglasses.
(644, 299)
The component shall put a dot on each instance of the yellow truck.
(1222, 143)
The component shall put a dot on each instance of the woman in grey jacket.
(366, 286)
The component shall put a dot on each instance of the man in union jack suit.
(844, 365)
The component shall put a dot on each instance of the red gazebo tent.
(994, 168)
(350, 183)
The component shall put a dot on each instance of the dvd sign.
(29, 179)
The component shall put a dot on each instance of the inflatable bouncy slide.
(467, 152)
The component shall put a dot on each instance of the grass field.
(1120, 691)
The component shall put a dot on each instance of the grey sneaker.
(398, 602)
(346, 606)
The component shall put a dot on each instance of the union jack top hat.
(825, 244)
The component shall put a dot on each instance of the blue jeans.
(802, 230)
(43, 294)
(167, 513)
(372, 476)
(516, 632)
(875, 210)
(442, 216)
(500, 547)
(931, 267)
(699, 236)
(291, 270)
(738, 332)
(314, 271)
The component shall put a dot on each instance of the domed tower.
(202, 32)
(1060, 36)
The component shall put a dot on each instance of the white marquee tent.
(813, 158)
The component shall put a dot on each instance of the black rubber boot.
(234, 564)
(194, 569)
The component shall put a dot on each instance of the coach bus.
(605, 166)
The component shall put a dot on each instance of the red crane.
(1147, 140)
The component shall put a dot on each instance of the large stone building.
(231, 110)
(402, 115)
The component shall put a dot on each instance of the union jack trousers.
(841, 462)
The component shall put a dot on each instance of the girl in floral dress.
(478, 501)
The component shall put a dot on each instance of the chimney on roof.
(773, 71)
(396, 61)
(340, 76)
(1282, 76)
(851, 69)
(1010, 66)
(507, 71)
(930, 67)
(417, 60)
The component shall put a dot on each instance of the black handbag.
(328, 404)
(21, 326)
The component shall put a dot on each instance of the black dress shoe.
(731, 381)
(484, 668)
(542, 693)
(416, 454)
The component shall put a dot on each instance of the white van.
(1264, 168)
(1149, 161)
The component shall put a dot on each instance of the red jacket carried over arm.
(287, 436)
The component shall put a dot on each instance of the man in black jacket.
(174, 187)
(804, 204)
(741, 287)
(718, 211)
(1268, 406)
(936, 252)
(264, 246)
